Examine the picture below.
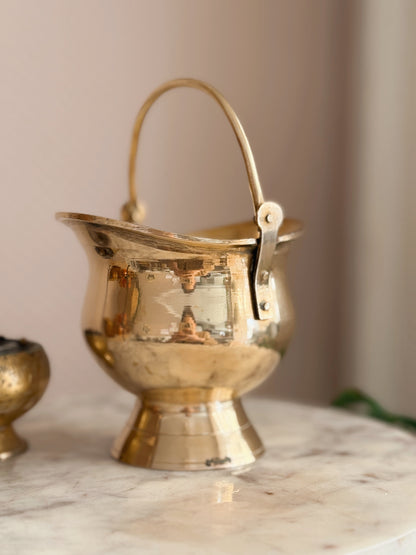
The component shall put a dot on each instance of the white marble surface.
(329, 483)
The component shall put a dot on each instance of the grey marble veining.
(329, 483)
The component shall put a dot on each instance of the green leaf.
(357, 401)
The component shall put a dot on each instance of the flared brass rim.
(290, 230)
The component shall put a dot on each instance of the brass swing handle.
(268, 215)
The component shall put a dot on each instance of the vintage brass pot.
(188, 323)
(24, 375)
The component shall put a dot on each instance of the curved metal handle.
(130, 209)
(268, 215)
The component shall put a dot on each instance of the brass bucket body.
(188, 323)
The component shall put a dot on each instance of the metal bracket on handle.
(269, 218)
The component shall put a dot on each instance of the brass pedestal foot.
(10, 443)
(185, 430)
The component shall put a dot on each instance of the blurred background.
(326, 92)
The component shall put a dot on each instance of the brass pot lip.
(10, 346)
(290, 230)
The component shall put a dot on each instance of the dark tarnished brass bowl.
(24, 375)
(188, 323)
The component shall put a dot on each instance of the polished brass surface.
(24, 375)
(188, 323)
(198, 431)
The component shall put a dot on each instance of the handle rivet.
(269, 218)
(265, 306)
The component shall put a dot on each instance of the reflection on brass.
(188, 323)
(119, 322)
(188, 333)
(118, 325)
(123, 276)
(24, 375)
(188, 272)
(98, 344)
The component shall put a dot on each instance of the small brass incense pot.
(188, 323)
(24, 375)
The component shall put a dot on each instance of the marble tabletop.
(329, 483)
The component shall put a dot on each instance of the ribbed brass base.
(10, 443)
(188, 429)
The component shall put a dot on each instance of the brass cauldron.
(188, 323)
(24, 375)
